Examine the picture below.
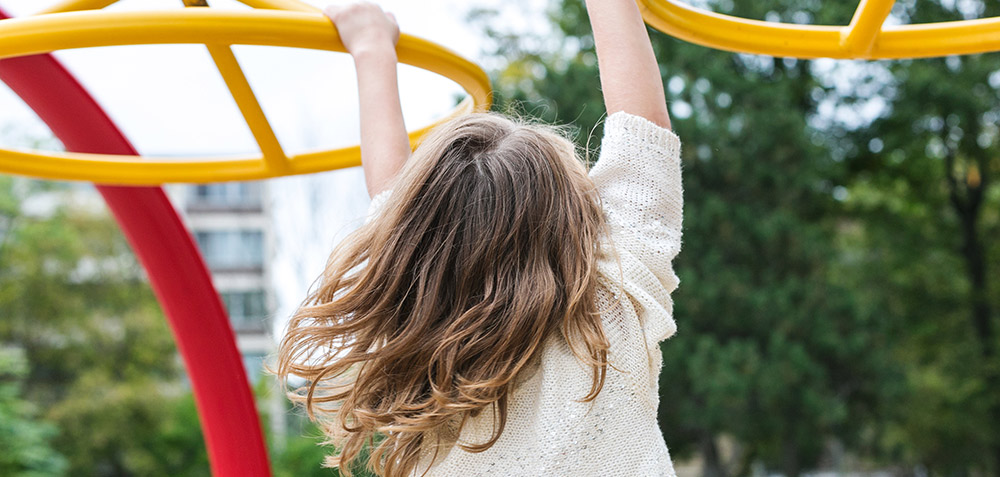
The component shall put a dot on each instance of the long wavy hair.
(426, 315)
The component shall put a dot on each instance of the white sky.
(169, 100)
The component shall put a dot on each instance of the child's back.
(549, 431)
(500, 312)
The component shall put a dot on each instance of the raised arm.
(638, 174)
(370, 36)
(630, 76)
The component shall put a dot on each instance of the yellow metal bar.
(814, 41)
(231, 72)
(859, 37)
(76, 5)
(928, 40)
(32, 35)
(734, 34)
(129, 170)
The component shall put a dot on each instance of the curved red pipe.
(175, 268)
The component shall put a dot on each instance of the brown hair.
(427, 314)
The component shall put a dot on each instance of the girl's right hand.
(363, 26)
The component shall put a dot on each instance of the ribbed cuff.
(622, 127)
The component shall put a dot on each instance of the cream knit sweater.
(549, 433)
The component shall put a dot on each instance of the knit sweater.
(550, 433)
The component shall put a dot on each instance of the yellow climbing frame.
(864, 38)
(287, 23)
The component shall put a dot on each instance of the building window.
(227, 196)
(247, 309)
(232, 250)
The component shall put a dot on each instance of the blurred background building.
(232, 226)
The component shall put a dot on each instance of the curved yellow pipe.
(865, 38)
(46, 33)
(859, 37)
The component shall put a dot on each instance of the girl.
(500, 312)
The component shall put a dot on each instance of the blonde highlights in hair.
(426, 315)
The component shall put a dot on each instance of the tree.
(923, 183)
(102, 367)
(25, 438)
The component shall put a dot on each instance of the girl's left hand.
(363, 26)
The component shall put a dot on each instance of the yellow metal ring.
(864, 38)
(218, 30)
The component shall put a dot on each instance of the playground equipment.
(218, 30)
(163, 245)
(864, 38)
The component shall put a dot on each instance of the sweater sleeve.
(638, 178)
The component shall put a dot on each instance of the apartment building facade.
(232, 227)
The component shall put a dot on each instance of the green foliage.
(923, 186)
(178, 445)
(302, 453)
(24, 438)
(102, 367)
